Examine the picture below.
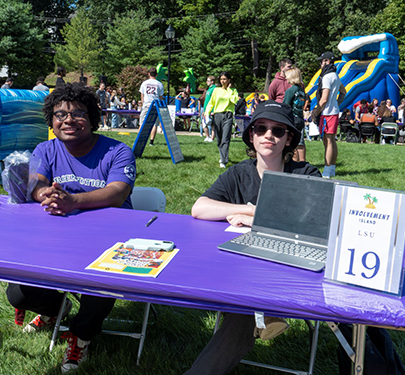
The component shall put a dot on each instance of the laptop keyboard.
(280, 246)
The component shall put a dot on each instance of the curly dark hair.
(73, 92)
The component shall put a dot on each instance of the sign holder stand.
(158, 110)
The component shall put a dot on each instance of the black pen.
(151, 221)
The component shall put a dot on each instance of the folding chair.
(388, 130)
(145, 199)
(313, 333)
(346, 128)
(367, 131)
(148, 199)
(400, 137)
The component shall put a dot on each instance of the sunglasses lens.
(260, 130)
(277, 131)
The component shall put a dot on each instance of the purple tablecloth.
(39, 249)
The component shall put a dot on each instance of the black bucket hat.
(279, 112)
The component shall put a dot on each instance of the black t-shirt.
(240, 183)
(59, 82)
(102, 96)
(185, 102)
(240, 107)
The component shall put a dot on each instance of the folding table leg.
(359, 344)
(314, 346)
(217, 321)
(143, 332)
(57, 324)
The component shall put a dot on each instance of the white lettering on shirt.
(81, 180)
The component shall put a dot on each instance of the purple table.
(50, 251)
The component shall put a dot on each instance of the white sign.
(172, 112)
(366, 238)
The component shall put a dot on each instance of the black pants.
(223, 131)
(86, 324)
(227, 347)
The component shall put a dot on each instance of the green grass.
(177, 335)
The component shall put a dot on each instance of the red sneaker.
(41, 322)
(76, 352)
(19, 316)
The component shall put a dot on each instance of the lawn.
(176, 335)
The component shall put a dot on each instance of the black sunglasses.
(277, 131)
(77, 114)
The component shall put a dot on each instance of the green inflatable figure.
(161, 73)
(190, 79)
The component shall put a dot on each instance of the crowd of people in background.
(221, 108)
(371, 116)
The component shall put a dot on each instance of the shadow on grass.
(19, 350)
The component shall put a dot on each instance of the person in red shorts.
(327, 109)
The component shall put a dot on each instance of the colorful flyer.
(119, 259)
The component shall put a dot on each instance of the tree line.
(245, 37)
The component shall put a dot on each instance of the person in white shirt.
(330, 95)
(150, 90)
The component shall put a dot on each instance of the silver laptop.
(291, 222)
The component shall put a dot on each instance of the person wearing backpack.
(295, 98)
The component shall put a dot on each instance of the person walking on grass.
(209, 131)
(222, 104)
(150, 90)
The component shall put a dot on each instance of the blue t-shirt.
(107, 162)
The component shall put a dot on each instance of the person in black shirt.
(61, 72)
(271, 138)
(240, 106)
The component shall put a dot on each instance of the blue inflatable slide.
(22, 124)
(368, 69)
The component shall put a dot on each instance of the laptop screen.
(294, 206)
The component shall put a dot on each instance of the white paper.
(242, 229)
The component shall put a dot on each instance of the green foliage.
(303, 29)
(132, 40)
(82, 46)
(53, 8)
(131, 78)
(392, 20)
(207, 51)
(21, 42)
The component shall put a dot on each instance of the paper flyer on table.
(118, 259)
